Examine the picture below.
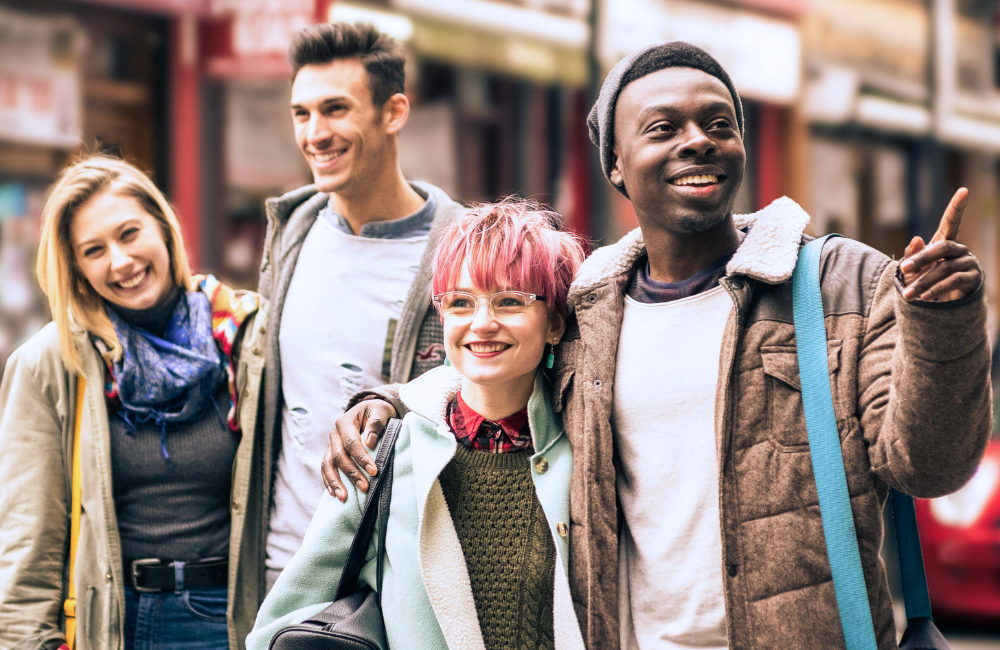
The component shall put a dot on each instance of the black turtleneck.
(178, 511)
(155, 318)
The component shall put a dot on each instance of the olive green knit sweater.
(507, 545)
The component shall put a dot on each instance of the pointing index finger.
(948, 229)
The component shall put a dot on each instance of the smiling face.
(678, 150)
(499, 354)
(121, 251)
(345, 138)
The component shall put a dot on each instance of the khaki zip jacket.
(913, 403)
(37, 409)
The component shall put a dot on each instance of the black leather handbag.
(354, 620)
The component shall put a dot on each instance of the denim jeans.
(189, 620)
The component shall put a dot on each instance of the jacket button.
(592, 297)
(108, 577)
(736, 284)
(597, 382)
(562, 529)
(732, 570)
(541, 465)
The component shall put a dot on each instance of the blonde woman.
(168, 550)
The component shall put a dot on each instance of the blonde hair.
(72, 299)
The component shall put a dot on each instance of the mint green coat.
(427, 602)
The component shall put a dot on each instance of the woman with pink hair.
(477, 537)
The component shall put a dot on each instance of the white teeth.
(702, 179)
(133, 281)
(327, 157)
(479, 348)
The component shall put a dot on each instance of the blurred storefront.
(71, 77)
(497, 105)
(499, 95)
(244, 129)
(196, 93)
(870, 128)
(867, 96)
(900, 118)
(966, 114)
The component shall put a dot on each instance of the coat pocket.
(786, 424)
(85, 627)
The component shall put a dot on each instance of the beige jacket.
(912, 398)
(37, 409)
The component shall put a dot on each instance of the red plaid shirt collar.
(512, 433)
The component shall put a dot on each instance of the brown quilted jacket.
(912, 398)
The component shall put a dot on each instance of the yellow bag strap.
(69, 607)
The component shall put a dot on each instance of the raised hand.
(942, 270)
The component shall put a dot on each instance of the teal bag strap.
(831, 479)
(827, 458)
(911, 559)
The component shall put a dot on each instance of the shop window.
(116, 70)
(976, 47)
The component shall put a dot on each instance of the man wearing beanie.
(683, 385)
(694, 515)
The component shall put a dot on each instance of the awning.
(763, 54)
(504, 38)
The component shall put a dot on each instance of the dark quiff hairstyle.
(382, 57)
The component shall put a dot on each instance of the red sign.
(783, 7)
(40, 100)
(198, 7)
(249, 38)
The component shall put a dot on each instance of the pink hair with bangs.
(513, 244)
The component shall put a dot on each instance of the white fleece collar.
(767, 253)
(429, 394)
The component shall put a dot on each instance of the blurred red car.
(960, 538)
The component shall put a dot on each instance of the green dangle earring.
(551, 359)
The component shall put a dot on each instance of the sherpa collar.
(430, 394)
(767, 253)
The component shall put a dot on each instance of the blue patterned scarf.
(170, 379)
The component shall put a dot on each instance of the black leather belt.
(165, 575)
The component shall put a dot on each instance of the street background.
(869, 113)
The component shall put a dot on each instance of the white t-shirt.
(335, 324)
(671, 591)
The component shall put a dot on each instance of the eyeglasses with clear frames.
(502, 304)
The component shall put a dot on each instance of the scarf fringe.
(132, 421)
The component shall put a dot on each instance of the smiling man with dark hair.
(346, 264)
(694, 515)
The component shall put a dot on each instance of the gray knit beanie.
(675, 54)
